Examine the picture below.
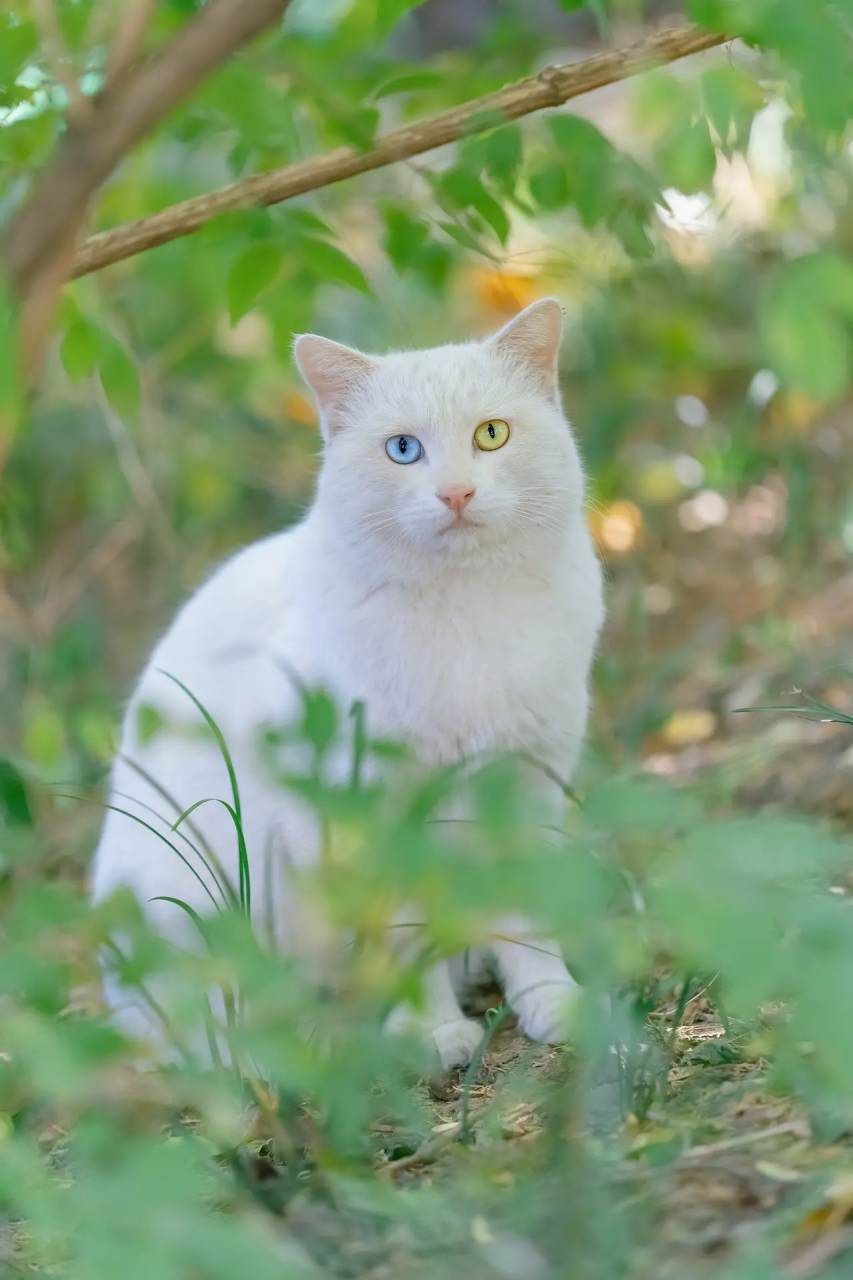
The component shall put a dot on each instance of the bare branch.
(57, 55)
(551, 88)
(47, 615)
(129, 39)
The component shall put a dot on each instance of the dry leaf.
(684, 728)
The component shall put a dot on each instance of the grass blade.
(231, 893)
(208, 856)
(135, 818)
(245, 875)
(191, 912)
(126, 795)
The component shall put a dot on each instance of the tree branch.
(128, 39)
(122, 115)
(38, 245)
(551, 88)
(56, 54)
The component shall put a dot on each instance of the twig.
(128, 39)
(631, 1171)
(51, 611)
(710, 1149)
(57, 55)
(683, 1000)
(493, 1023)
(551, 88)
(426, 1153)
(139, 482)
(810, 1261)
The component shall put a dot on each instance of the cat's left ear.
(532, 339)
(334, 373)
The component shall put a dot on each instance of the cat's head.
(455, 454)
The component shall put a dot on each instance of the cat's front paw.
(457, 1041)
(544, 1013)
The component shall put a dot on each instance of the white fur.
(459, 635)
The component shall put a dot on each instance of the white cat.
(444, 575)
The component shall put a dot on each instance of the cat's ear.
(532, 339)
(333, 372)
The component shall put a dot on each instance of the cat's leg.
(455, 1036)
(536, 982)
(440, 1020)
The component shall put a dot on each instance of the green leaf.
(716, 15)
(408, 83)
(686, 156)
(119, 378)
(320, 722)
(14, 805)
(807, 348)
(252, 273)
(389, 13)
(43, 735)
(589, 165)
(630, 226)
(357, 127)
(493, 212)
(18, 42)
(433, 266)
(502, 152)
(80, 349)
(549, 186)
(461, 189)
(149, 722)
(405, 236)
(10, 390)
(712, 1053)
(673, 111)
(806, 316)
(731, 98)
(332, 265)
(305, 219)
(462, 236)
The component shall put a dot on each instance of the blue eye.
(404, 449)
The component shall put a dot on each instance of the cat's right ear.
(333, 372)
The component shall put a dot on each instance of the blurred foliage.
(700, 237)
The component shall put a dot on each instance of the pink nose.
(456, 497)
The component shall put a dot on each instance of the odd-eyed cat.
(443, 575)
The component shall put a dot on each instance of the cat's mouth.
(460, 524)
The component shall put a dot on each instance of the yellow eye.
(491, 435)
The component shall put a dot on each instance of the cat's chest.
(472, 667)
